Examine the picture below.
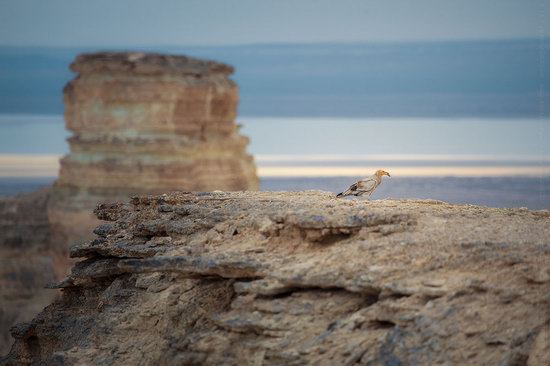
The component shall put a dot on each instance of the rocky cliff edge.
(300, 278)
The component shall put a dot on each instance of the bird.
(365, 186)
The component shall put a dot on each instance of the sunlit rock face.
(299, 278)
(146, 124)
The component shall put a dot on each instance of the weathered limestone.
(300, 278)
(144, 124)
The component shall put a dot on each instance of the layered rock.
(142, 124)
(300, 278)
(26, 261)
(145, 124)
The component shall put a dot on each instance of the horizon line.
(36, 166)
(284, 43)
(21, 157)
(248, 118)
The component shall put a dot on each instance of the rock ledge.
(300, 278)
(147, 64)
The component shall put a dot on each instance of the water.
(37, 134)
(12, 186)
(398, 136)
(33, 134)
(502, 163)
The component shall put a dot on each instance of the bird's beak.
(388, 174)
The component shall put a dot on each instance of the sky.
(62, 23)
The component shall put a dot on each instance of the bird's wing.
(353, 187)
(352, 190)
(367, 184)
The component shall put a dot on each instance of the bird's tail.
(341, 194)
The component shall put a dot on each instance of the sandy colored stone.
(145, 123)
(300, 278)
(141, 124)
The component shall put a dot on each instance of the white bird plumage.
(365, 186)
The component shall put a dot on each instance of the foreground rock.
(300, 278)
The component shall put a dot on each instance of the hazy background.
(450, 96)
(300, 58)
(138, 23)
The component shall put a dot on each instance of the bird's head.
(381, 173)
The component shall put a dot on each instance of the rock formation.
(145, 124)
(26, 261)
(300, 278)
(142, 124)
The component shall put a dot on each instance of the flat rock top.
(300, 278)
(146, 63)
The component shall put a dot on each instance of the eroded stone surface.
(300, 278)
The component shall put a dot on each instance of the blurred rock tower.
(142, 124)
(145, 124)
